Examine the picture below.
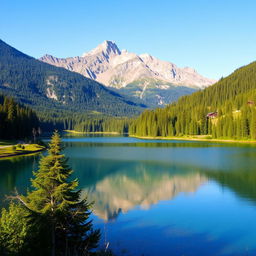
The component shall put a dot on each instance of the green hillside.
(224, 110)
(153, 96)
(53, 91)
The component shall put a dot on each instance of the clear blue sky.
(213, 36)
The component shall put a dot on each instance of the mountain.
(154, 81)
(52, 90)
(224, 110)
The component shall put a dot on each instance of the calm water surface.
(160, 197)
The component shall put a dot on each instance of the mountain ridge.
(52, 89)
(109, 49)
(122, 69)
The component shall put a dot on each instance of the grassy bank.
(205, 138)
(76, 132)
(18, 150)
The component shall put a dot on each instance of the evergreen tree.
(59, 215)
(25, 79)
(57, 198)
(253, 125)
(223, 110)
(14, 230)
(16, 121)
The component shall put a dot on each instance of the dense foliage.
(52, 219)
(16, 121)
(56, 92)
(119, 125)
(225, 110)
(14, 230)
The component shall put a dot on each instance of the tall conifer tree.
(55, 204)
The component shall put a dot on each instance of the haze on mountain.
(154, 81)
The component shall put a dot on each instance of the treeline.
(20, 122)
(86, 123)
(225, 110)
(103, 125)
(16, 121)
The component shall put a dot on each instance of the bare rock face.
(119, 69)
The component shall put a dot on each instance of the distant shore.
(193, 138)
(76, 132)
(185, 138)
(19, 150)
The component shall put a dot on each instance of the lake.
(160, 197)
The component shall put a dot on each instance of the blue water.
(160, 197)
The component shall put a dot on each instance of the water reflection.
(16, 173)
(121, 176)
(199, 197)
(242, 182)
(140, 184)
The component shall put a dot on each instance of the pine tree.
(16, 121)
(62, 217)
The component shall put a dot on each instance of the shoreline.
(193, 139)
(8, 151)
(188, 138)
(76, 132)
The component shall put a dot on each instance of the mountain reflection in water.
(170, 198)
(142, 185)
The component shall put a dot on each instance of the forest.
(56, 92)
(20, 122)
(16, 121)
(52, 218)
(224, 110)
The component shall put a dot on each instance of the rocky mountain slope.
(51, 89)
(155, 81)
